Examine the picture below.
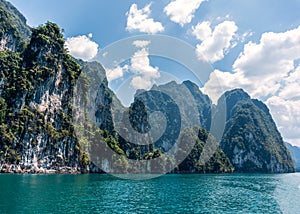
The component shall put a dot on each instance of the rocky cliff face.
(37, 85)
(17, 20)
(184, 109)
(251, 139)
(10, 36)
(217, 163)
(100, 97)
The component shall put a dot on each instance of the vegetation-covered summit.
(35, 93)
(251, 139)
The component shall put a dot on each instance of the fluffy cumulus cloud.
(182, 11)
(268, 70)
(220, 81)
(285, 107)
(82, 47)
(286, 114)
(202, 30)
(138, 19)
(270, 62)
(116, 73)
(145, 74)
(274, 53)
(139, 65)
(215, 43)
(291, 90)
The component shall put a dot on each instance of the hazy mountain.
(295, 153)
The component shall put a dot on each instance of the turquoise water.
(238, 193)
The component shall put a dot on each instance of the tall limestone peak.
(203, 102)
(36, 132)
(230, 98)
(190, 99)
(251, 139)
(46, 46)
(183, 105)
(13, 29)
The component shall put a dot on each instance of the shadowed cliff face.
(16, 19)
(166, 110)
(9, 34)
(251, 140)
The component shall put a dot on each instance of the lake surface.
(237, 193)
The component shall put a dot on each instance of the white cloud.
(268, 70)
(145, 73)
(286, 114)
(214, 43)
(202, 30)
(245, 36)
(139, 82)
(285, 107)
(273, 57)
(182, 11)
(82, 47)
(220, 81)
(116, 73)
(141, 43)
(139, 64)
(268, 63)
(291, 90)
(223, 18)
(138, 19)
(105, 54)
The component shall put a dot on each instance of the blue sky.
(253, 44)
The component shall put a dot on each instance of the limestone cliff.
(37, 85)
(251, 139)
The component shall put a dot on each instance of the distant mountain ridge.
(39, 79)
(295, 153)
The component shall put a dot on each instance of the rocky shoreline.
(21, 169)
